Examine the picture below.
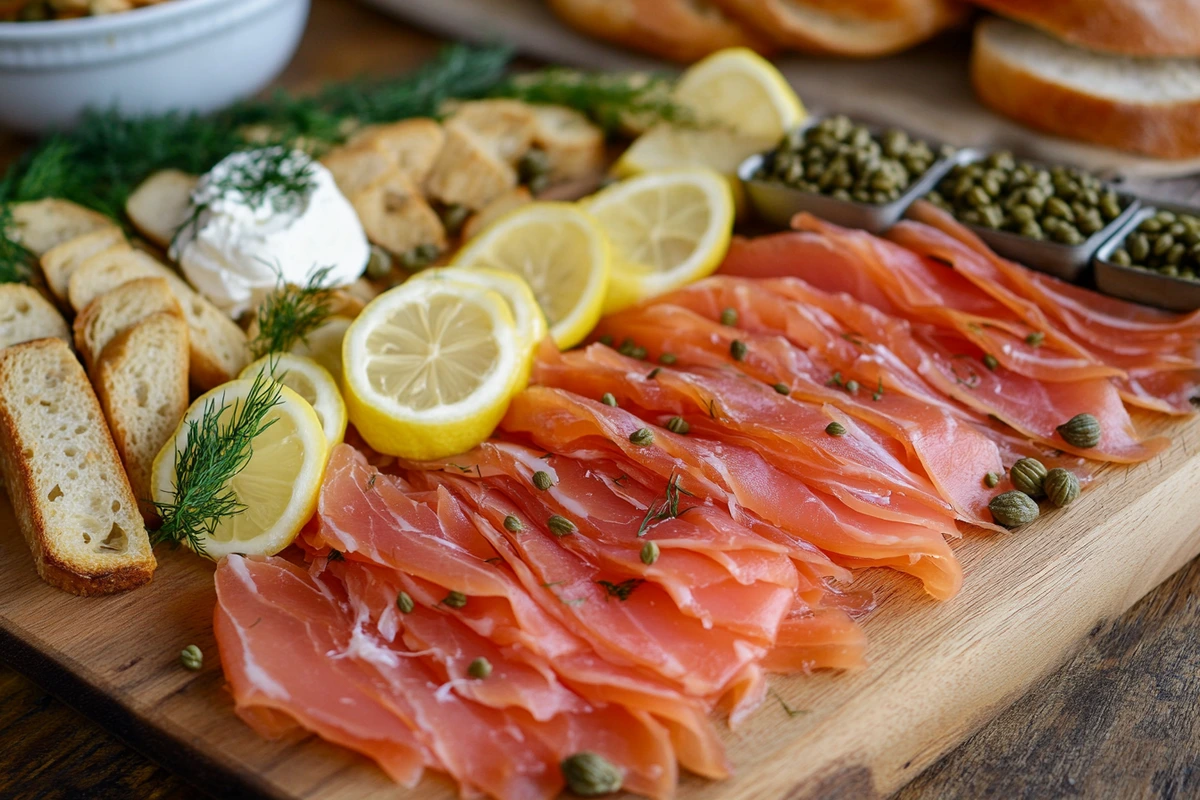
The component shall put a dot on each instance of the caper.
(1150, 225)
(991, 217)
(1175, 255)
(379, 263)
(1023, 213)
(1162, 244)
(1139, 246)
(1165, 217)
(1032, 230)
(1120, 256)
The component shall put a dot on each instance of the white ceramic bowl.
(191, 55)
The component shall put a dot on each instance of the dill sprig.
(621, 590)
(217, 449)
(16, 263)
(612, 100)
(290, 313)
(276, 175)
(667, 509)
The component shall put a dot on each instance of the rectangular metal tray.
(1140, 285)
(1068, 262)
(777, 204)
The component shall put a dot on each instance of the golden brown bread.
(1129, 27)
(857, 28)
(681, 30)
(1149, 106)
(64, 477)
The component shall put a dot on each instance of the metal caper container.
(777, 203)
(1143, 285)
(1065, 261)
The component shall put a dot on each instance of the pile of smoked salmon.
(664, 517)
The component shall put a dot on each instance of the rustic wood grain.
(1119, 720)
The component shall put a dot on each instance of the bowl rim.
(90, 26)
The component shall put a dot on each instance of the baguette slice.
(1125, 27)
(681, 30)
(63, 475)
(356, 168)
(218, 345)
(142, 383)
(856, 28)
(43, 224)
(1149, 106)
(116, 311)
(468, 171)
(506, 127)
(412, 145)
(160, 204)
(61, 260)
(25, 315)
(573, 145)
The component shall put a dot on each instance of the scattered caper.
(1013, 509)
(1061, 486)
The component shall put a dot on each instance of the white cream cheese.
(249, 233)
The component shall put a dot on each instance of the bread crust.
(672, 29)
(854, 28)
(1164, 131)
(1127, 27)
(81, 576)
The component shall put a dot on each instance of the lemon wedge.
(324, 345)
(430, 366)
(277, 487)
(667, 229)
(311, 381)
(560, 251)
(744, 106)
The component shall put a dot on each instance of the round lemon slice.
(324, 345)
(667, 229)
(740, 90)
(311, 381)
(430, 367)
(527, 314)
(560, 251)
(277, 487)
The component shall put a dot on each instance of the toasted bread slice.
(1124, 27)
(160, 204)
(118, 310)
(1145, 105)
(681, 30)
(42, 224)
(412, 144)
(61, 260)
(356, 168)
(396, 217)
(142, 383)
(25, 315)
(468, 172)
(64, 477)
(573, 145)
(218, 345)
(505, 126)
(509, 201)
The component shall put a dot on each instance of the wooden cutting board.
(937, 671)
(925, 90)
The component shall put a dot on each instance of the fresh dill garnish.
(290, 313)
(854, 338)
(791, 712)
(878, 395)
(621, 590)
(215, 452)
(667, 509)
(835, 380)
(16, 263)
(277, 176)
(611, 100)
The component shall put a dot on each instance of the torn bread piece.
(39, 225)
(161, 204)
(412, 145)
(505, 126)
(354, 169)
(63, 475)
(118, 310)
(26, 315)
(218, 345)
(509, 201)
(574, 147)
(468, 172)
(396, 217)
(141, 381)
(61, 260)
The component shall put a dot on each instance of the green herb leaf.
(621, 590)
(290, 313)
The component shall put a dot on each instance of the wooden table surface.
(1119, 720)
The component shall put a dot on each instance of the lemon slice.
(311, 381)
(740, 90)
(666, 229)
(562, 254)
(324, 345)
(430, 367)
(527, 314)
(277, 487)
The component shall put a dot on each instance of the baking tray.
(1068, 262)
(1142, 285)
(777, 204)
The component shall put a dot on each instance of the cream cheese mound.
(252, 228)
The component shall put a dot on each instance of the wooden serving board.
(925, 90)
(937, 671)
